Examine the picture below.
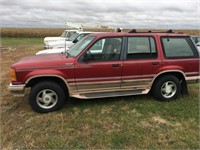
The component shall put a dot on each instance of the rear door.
(141, 63)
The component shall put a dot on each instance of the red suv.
(109, 65)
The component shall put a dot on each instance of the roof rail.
(135, 31)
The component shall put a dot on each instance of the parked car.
(198, 47)
(52, 51)
(64, 50)
(109, 65)
(67, 43)
(64, 36)
(195, 38)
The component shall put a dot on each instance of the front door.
(99, 69)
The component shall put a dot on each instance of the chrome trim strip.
(194, 79)
(138, 76)
(192, 73)
(96, 79)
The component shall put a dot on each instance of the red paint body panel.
(73, 71)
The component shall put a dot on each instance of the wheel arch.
(53, 78)
(177, 73)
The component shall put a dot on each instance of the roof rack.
(134, 31)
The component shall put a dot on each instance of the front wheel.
(46, 97)
(166, 88)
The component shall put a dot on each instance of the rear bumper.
(17, 90)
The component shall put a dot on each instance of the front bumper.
(17, 90)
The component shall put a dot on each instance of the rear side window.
(141, 48)
(178, 47)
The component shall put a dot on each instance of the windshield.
(70, 33)
(63, 34)
(82, 44)
(73, 37)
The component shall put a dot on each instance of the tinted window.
(141, 48)
(106, 49)
(177, 47)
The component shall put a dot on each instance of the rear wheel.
(166, 88)
(47, 97)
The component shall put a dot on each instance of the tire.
(166, 88)
(46, 97)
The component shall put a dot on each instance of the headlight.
(13, 75)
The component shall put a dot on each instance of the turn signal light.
(13, 75)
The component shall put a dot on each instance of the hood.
(43, 61)
(60, 42)
(48, 39)
(51, 51)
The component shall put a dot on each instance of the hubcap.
(168, 89)
(46, 99)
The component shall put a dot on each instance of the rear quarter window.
(178, 47)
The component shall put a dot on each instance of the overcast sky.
(175, 14)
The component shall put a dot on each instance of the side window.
(106, 49)
(141, 48)
(178, 47)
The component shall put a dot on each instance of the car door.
(99, 69)
(141, 63)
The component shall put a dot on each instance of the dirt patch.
(160, 120)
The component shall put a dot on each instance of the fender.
(46, 73)
(166, 71)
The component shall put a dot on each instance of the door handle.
(155, 63)
(115, 65)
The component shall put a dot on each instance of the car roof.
(107, 34)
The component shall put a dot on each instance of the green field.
(133, 122)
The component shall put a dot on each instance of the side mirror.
(75, 41)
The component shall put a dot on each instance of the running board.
(110, 94)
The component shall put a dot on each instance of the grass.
(21, 41)
(133, 122)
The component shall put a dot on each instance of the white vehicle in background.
(198, 46)
(64, 36)
(196, 39)
(52, 51)
(71, 28)
(63, 44)
(97, 48)
(67, 43)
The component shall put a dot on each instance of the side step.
(110, 94)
